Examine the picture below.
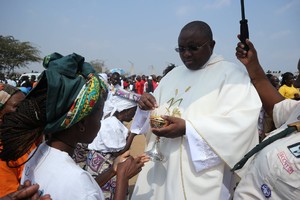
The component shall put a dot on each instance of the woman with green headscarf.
(66, 105)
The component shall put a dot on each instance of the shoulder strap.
(290, 129)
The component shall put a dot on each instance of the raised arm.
(267, 92)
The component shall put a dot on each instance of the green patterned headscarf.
(73, 90)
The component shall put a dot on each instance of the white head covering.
(103, 76)
(111, 137)
(112, 134)
(117, 103)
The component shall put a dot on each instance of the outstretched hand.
(121, 158)
(176, 128)
(125, 171)
(131, 166)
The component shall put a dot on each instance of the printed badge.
(295, 149)
(266, 190)
(285, 162)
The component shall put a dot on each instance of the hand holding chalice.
(156, 121)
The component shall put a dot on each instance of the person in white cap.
(112, 140)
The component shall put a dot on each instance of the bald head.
(199, 26)
(196, 44)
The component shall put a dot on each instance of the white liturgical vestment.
(221, 107)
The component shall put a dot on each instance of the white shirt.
(58, 175)
(111, 136)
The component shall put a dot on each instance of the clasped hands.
(128, 166)
(176, 127)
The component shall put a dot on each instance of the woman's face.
(12, 104)
(92, 124)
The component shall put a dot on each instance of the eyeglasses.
(190, 48)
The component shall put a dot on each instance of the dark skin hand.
(26, 192)
(105, 176)
(138, 162)
(131, 166)
(126, 170)
(147, 102)
(267, 92)
(175, 129)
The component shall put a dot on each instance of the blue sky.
(142, 34)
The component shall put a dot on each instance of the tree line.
(15, 54)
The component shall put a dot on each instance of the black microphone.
(244, 31)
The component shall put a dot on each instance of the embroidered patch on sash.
(266, 190)
(295, 149)
(285, 162)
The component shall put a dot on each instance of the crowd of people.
(135, 83)
(24, 83)
(67, 134)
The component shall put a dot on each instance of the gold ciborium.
(154, 153)
(158, 122)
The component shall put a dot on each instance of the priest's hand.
(147, 102)
(176, 128)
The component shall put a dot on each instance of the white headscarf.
(103, 76)
(117, 103)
